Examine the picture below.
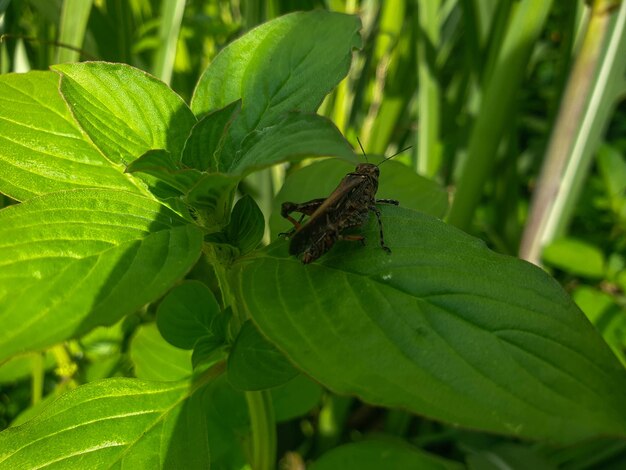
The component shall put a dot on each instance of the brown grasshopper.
(348, 206)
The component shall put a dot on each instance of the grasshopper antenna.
(395, 154)
(362, 149)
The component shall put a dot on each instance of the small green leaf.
(159, 163)
(113, 423)
(246, 226)
(255, 364)
(297, 135)
(125, 111)
(187, 313)
(442, 327)
(612, 166)
(206, 349)
(378, 454)
(295, 398)
(74, 260)
(607, 316)
(509, 456)
(156, 359)
(575, 257)
(212, 198)
(42, 150)
(396, 182)
(204, 145)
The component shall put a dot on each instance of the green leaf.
(42, 150)
(295, 398)
(156, 359)
(296, 135)
(228, 424)
(509, 456)
(607, 316)
(113, 423)
(187, 313)
(612, 167)
(288, 64)
(21, 367)
(291, 62)
(246, 226)
(207, 349)
(442, 327)
(205, 143)
(125, 111)
(396, 182)
(212, 197)
(575, 257)
(377, 454)
(255, 364)
(77, 259)
(159, 163)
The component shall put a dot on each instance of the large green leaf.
(113, 423)
(42, 150)
(77, 259)
(378, 454)
(255, 364)
(288, 63)
(442, 327)
(125, 111)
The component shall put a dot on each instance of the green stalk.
(586, 107)
(37, 375)
(74, 19)
(344, 94)
(498, 104)
(429, 145)
(252, 13)
(169, 27)
(392, 87)
(263, 427)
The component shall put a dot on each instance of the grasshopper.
(348, 206)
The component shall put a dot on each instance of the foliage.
(146, 294)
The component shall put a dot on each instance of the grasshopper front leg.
(376, 211)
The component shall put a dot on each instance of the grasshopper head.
(367, 169)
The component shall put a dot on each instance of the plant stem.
(429, 148)
(37, 374)
(494, 117)
(169, 28)
(263, 427)
(74, 20)
(584, 112)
